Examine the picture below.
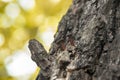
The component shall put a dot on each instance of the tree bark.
(86, 45)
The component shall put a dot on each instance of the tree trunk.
(86, 45)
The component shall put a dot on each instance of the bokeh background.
(21, 20)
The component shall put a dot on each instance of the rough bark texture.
(86, 45)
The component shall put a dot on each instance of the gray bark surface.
(86, 45)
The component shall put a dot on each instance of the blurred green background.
(21, 20)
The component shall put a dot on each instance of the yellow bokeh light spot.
(5, 22)
(55, 1)
(19, 60)
(12, 10)
(2, 39)
(20, 21)
(19, 34)
(7, 0)
(4, 52)
(39, 19)
(27, 4)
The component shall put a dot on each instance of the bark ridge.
(86, 45)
